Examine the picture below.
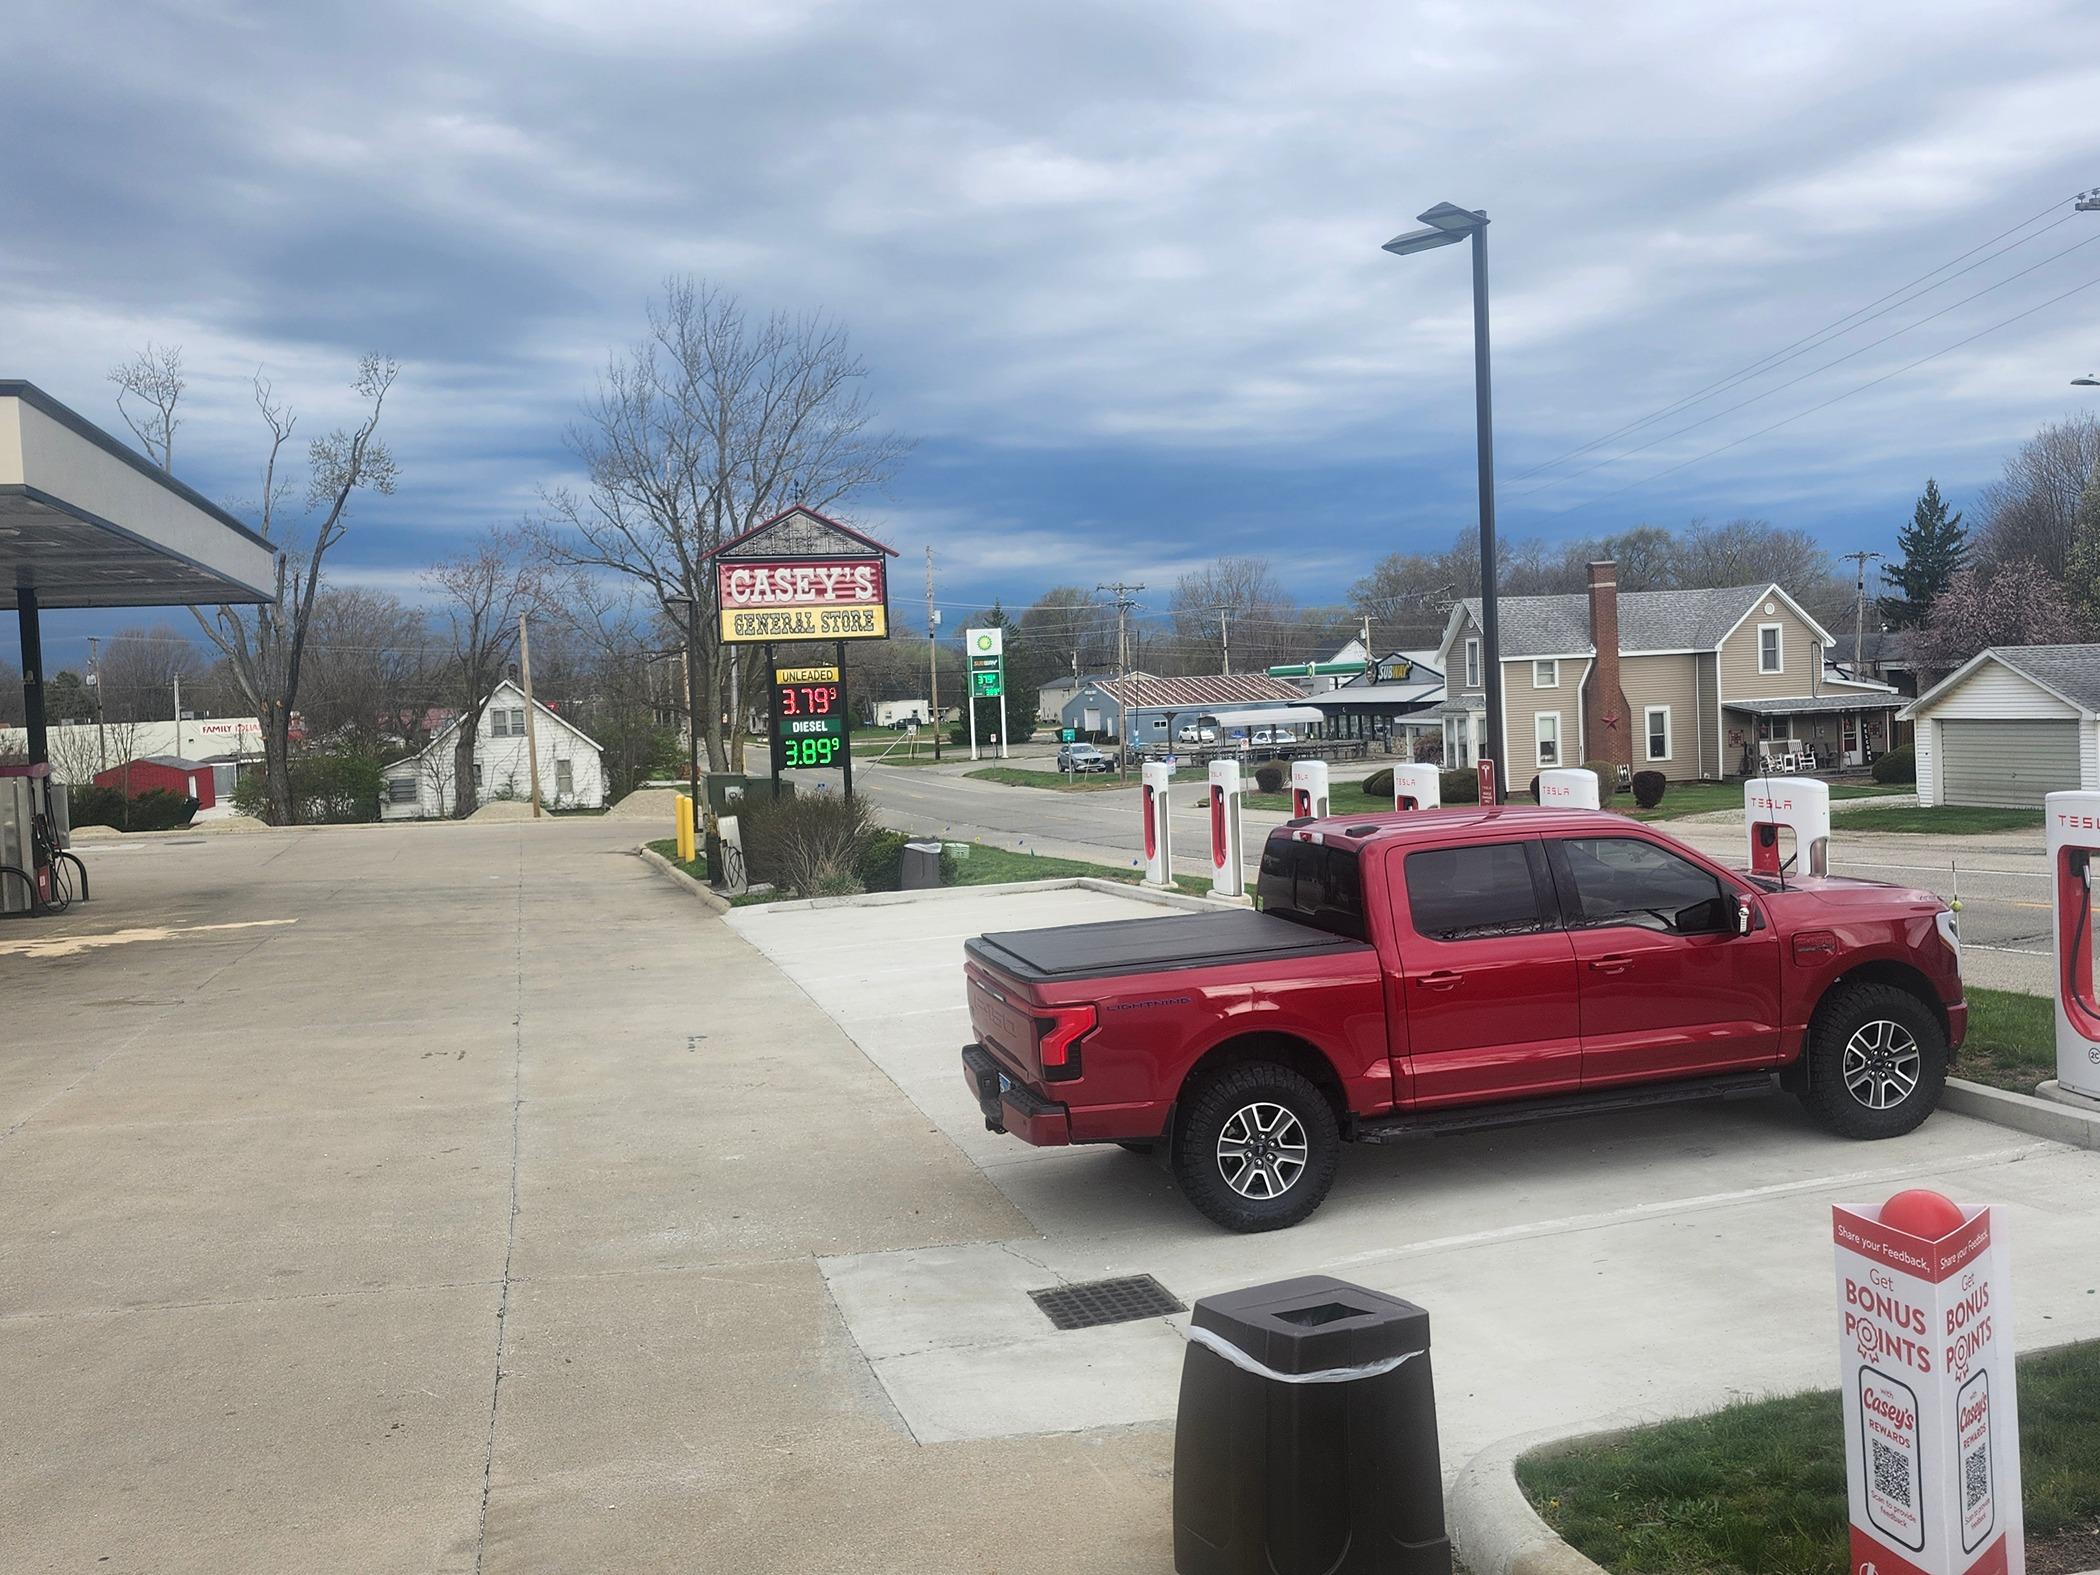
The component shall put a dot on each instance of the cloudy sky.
(1116, 267)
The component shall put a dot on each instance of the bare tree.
(1260, 617)
(607, 637)
(153, 382)
(265, 647)
(484, 590)
(136, 674)
(2032, 510)
(709, 426)
(372, 673)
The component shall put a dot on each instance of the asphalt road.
(2000, 878)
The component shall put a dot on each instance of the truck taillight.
(1057, 1038)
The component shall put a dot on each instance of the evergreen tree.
(1935, 548)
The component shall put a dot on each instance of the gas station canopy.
(87, 522)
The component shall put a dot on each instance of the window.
(507, 722)
(1545, 727)
(564, 778)
(1546, 674)
(1313, 884)
(1771, 656)
(477, 773)
(1623, 881)
(401, 790)
(1472, 664)
(1473, 894)
(1658, 720)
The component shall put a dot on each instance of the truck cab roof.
(1434, 825)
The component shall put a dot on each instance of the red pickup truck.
(1453, 969)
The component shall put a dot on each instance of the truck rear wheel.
(1257, 1147)
(1877, 1060)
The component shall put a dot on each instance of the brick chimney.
(1607, 725)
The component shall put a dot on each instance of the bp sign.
(987, 651)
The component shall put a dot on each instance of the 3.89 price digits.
(811, 751)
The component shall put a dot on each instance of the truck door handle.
(1617, 962)
(1442, 979)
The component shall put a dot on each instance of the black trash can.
(921, 867)
(1305, 1441)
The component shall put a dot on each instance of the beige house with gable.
(1694, 684)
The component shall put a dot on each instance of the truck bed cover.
(1141, 945)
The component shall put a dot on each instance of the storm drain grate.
(1097, 1302)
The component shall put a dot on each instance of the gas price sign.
(809, 709)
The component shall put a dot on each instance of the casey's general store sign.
(803, 599)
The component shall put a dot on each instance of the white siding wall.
(506, 770)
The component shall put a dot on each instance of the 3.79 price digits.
(811, 751)
(808, 699)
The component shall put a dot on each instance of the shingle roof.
(1218, 689)
(1648, 620)
(2071, 670)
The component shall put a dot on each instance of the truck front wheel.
(1877, 1060)
(1257, 1147)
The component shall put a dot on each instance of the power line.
(1764, 362)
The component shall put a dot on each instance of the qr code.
(1975, 1478)
(1892, 1473)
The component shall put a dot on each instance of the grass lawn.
(1703, 798)
(1947, 820)
(1056, 781)
(984, 866)
(1758, 1488)
(2011, 1042)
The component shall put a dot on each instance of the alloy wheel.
(1261, 1150)
(1882, 1064)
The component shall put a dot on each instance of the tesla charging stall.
(1226, 877)
(1568, 787)
(1156, 778)
(2072, 821)
(1417, 787)
(1798, 804)
(1309, 788)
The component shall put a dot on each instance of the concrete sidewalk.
(455, 1200)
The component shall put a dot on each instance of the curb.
(886, 899)
(2043, 1118)
(1491, 1524)
(708, 898)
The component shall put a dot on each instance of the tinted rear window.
(1467, 894)
(1313, 883)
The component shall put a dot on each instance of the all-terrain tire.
(1877, 1060)
(1257, 1147)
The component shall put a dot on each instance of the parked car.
(1450, 970)
(1082, 758)
(1192, 734)
(1274, 735)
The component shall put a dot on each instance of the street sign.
(809, 709)
(1068, 735)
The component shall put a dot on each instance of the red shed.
(190, 778)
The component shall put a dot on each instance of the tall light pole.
(1447, 225)
(688, 607)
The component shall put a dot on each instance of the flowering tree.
(2016, 603)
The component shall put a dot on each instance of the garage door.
(2007, 763)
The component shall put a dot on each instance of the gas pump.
(1156, 777)
(1801, 804)
(1568, 787)
(1309, 788)
(2072, 821)
(1226, 878)
(1417, 787)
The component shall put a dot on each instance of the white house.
(572, 767)
(2012, 723)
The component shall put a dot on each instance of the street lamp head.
(1449, 216)
(680, 599)
(1447, 224)
(2088, 381)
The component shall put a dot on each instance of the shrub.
(1898, 765)
(1459, 787)
(1607, 777)
(1648, 788)
(328, 788)
(1379, 784)
(811, 845)
(1268, 776)
(882, 865)
(156, 809)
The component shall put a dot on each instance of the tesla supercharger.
(1226, 879)
(1417, 787)
(2072, 821)
(1801, 804)
(1155, 779)
(1568, 787)
(1309, 788)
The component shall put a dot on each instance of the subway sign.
(802, 599)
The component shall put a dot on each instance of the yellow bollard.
(685, 829)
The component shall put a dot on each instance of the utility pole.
(532, 736)
(1225, 640)
(933, 655)
(1121, 592)
(95, 679)
(1859, 606)
(178, 711)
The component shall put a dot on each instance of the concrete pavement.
(453, 1198)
